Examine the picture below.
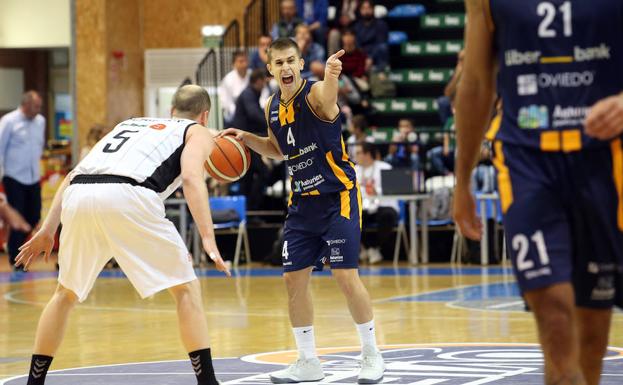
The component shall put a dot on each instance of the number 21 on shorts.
(521, 244)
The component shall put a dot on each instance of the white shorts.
(102, 221)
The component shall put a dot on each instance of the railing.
(208, 76)
(271, 13)
(229, 44)
(259, 17)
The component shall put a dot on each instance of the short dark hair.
(257, 74)
(360, 122)
(236, 55)
(368, 148)
(282, 44)
(370, 2)
(191, 100)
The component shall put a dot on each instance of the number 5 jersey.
(146, 150)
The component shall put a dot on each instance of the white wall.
(34, 23)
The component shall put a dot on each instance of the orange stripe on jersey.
(290, 199)
(359, 203)
(339, 173)
(550, 141)
(286, 114)
(556, 59)
(504, 178)
(571, 140)
(494, 127)
(345, 203)
(313, 192)
(617, 171)
(345, 154)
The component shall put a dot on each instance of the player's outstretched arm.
(265, 146)
(199, 145)
(323, 94)
(43, 241)
(474, 103)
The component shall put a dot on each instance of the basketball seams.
(227, 158)
(243, 154)
(218, 173)
(217, 166)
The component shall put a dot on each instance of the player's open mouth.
(287, 79)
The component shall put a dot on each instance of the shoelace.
(298, 364)
(368, 360)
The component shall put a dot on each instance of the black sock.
(39, 366)
(201, 360)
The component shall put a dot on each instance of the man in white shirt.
(377, 210)
(22, 137)
(233, 84)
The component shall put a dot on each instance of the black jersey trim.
(169, 170)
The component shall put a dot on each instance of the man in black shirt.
(250, 117)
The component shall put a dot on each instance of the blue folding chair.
(489, 208)
(401, 231)
(239, 227)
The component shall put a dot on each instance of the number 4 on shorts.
(284, 251)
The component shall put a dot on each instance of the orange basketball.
(229, 160)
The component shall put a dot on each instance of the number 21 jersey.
(557, 58)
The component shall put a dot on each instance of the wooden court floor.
(248, 314)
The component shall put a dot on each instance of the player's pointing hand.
(334, 64)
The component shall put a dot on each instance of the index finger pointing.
(337, 55)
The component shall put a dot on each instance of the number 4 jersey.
(313, 148)
(557, 58)
(143, 149)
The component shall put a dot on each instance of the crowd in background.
(245, 90)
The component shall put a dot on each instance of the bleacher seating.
(422, 65)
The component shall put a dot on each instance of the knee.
(295, 287)
(555, 316)
(65, 297)
(187, 293)
(348, 282)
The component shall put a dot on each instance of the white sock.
(367, 334)
(305, 342)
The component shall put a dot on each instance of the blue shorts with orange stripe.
(323, 229)
(563, 218)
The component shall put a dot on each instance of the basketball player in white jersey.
(111, 205)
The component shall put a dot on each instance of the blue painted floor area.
(502, 364)
(468, 293)
(277, 272)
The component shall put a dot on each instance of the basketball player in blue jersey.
(559, 162)
(111, 204)
(324, 208)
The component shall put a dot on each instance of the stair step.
(421, 76)
(443, 21)
(404, 105)
(431, 47)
